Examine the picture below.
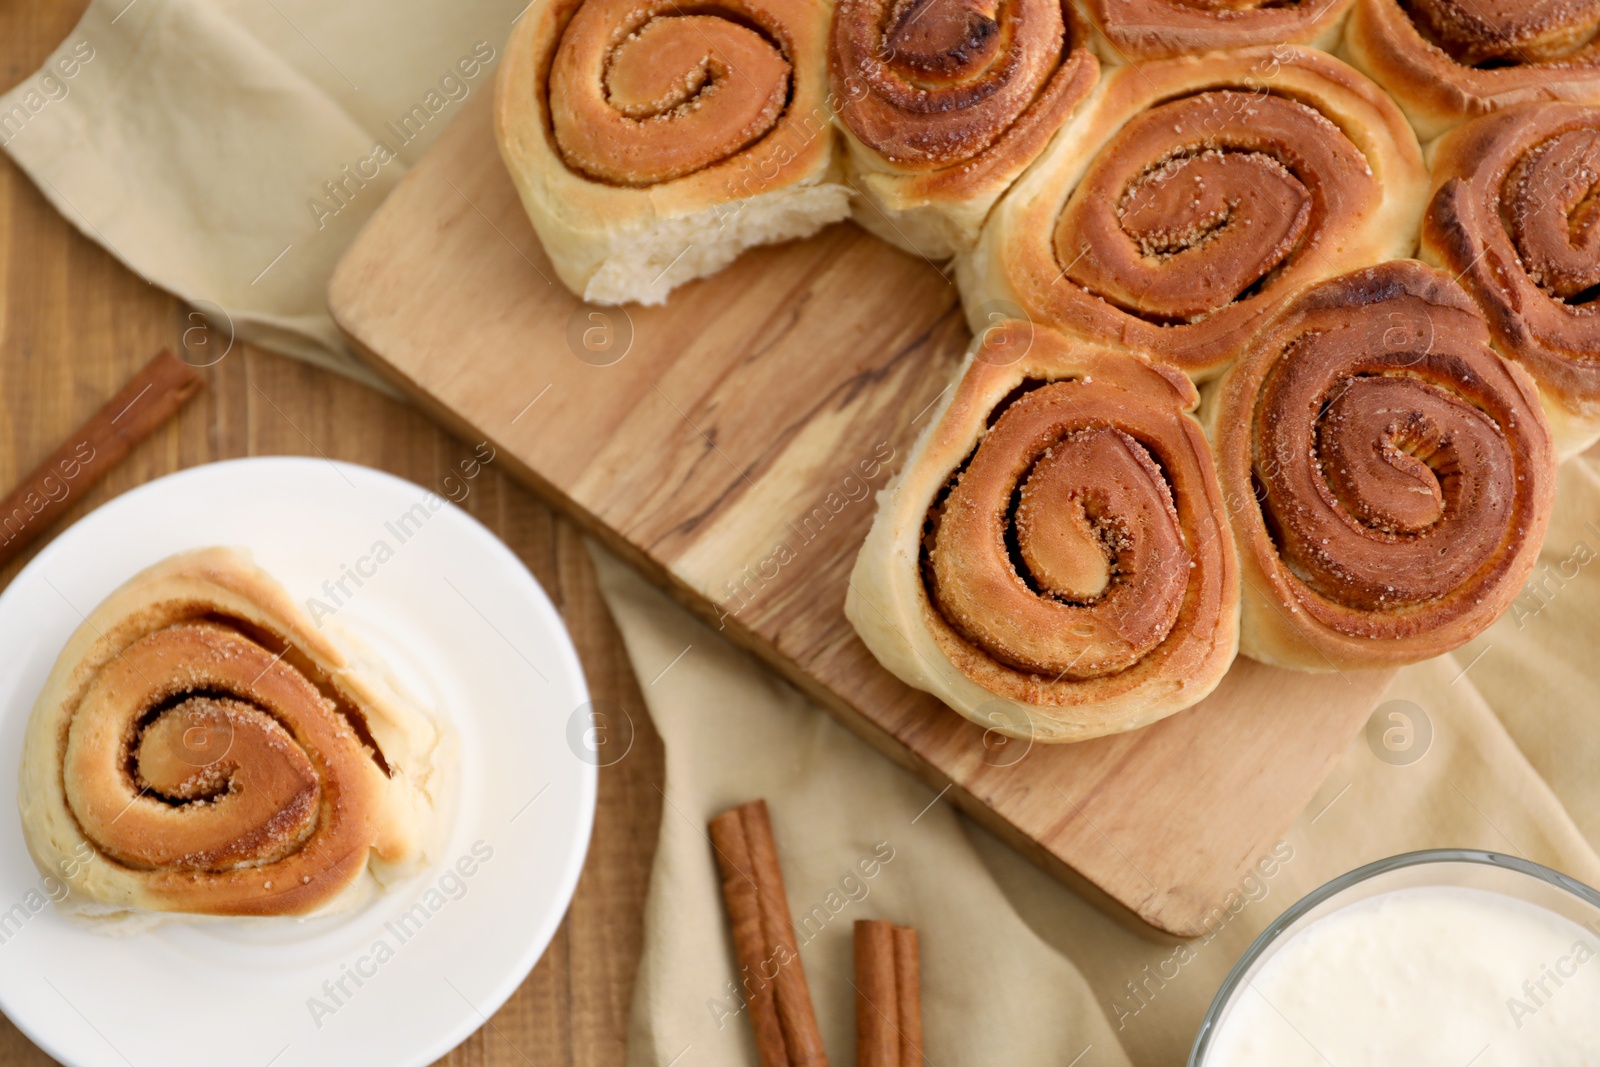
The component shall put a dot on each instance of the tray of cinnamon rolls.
(1283, 315)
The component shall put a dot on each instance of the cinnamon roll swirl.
(1193, 196)
(651, 143)
(1514, 218)
(1054, 561)
(944, 102)
(1445, 61)
(1388, 476)
(201, 747)
(1137, 31)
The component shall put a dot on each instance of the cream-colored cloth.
(1018, 970)
(229, 150)
(733, 731)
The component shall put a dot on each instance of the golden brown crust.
(1137, 31)
(1194, 196)
(615, 119)
(1115, 603)
(945, 102)
(1388, 476)
(640, 94)
(201, 747)
(1446, 61)
(1512, 217)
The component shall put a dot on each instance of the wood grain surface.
(75, 324)
(728, 444)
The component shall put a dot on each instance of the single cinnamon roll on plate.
(1137, 31)
(1054, 561)
(1193, 197)
(1513, 216)
(1389, 477)
(427, 609)
(201, 747)
(1445, 61)
(944, 102)
(651, 144)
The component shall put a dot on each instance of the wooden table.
(75, 323)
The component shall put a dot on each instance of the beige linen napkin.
(1018, 970)
(995, 994)
(229, 150)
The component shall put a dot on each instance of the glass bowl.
(1442, 867)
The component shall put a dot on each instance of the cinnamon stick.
(771, 974)
(149, 399)
(888, 995)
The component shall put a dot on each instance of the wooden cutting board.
(728, 445)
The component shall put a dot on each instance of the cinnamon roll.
(944, 102)
(1137, 31)
(1193, 196)
(201, 747)
(1514, 218)
(651, 143)
(1446, 61)
(1054, 561)
(1388, 476)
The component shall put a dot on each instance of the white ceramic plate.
(465, 628)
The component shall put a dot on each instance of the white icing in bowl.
(1445, 958)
